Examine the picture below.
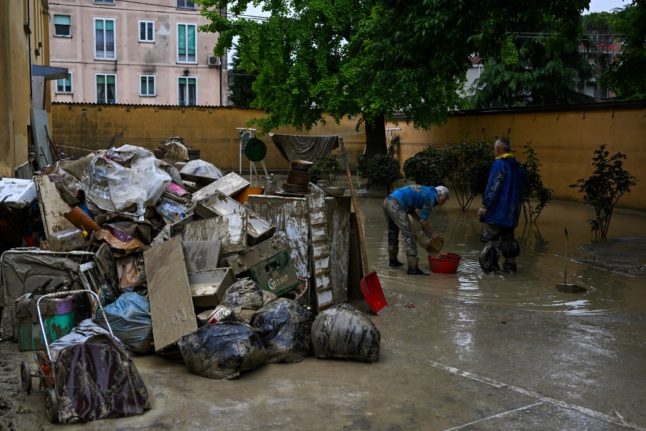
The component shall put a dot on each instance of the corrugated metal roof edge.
(139, 105)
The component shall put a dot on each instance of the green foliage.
(381, 170)
(462, 167)
(365, 59)
(536, 195)
(604, 188)
(240, 84)
(625, 74)
(467, 167)
(538, 62)
(426, 167)
(325, 169)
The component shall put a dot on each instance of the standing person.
(397, 206)
(501, 204)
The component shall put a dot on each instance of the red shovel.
(370, 284)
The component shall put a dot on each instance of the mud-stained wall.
(564, 140)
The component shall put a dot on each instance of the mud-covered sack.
(343, 332)
(244, 293)
(223, 350)
(285, 328)
(129, 318)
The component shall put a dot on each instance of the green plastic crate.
(275, 274)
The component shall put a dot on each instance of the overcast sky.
(605, 5)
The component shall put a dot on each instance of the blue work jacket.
(503, 197)
(416, 197)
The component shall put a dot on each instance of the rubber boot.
(509, 266)
(413, 268)
(393, 262)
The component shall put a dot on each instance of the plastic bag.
(130, 320)
(244, 293)
(285, 328)
(343, 332)
(201, 168)
(223, 350)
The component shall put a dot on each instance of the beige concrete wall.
(133, 57)
(21, 22)
(565, 141)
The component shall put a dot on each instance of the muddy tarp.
(343, 332)
(284, 327)
(95, 378)
(126, 179)
(129, 318)
(301, 147)
(28, 270)
(223, 350)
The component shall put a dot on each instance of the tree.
(536, 195)
(626, 74)
(369, 59)
(603, 189)
(538, 63)
(240, 84)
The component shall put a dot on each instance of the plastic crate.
(275, 274)
(58, 320)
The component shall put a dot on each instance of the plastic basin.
(445, 263)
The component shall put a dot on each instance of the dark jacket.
(503, 197)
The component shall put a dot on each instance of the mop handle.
(565, 270)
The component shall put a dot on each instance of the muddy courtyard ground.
(458, 351)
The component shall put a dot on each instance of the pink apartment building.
(135, 52)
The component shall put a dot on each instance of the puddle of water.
(540, 265)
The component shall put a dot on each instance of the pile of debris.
(186, 262)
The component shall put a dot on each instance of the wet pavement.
(459, 351)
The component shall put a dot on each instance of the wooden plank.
(201, 255)
(320, 247)
(52, 207)
(229, 184)
(338, 216)
(290, 217)
(231, 230)
(171, 305)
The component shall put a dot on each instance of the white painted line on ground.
(563, 404)
(495, 416)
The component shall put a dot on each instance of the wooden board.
(52, 206)
(229, 184)
(171, 304)
(201, 255)
(290, 217)
(320, 247)
(338, 216)
(231, 230)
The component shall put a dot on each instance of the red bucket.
(446, 263)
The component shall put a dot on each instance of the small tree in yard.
(467, 166)
(381, 170)
(604, 188)
(426, 167)
(536, 195)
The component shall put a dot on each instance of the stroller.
(88, 373)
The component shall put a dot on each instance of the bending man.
(397, 206)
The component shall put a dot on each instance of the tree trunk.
(375, 136)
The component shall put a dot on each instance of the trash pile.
(185, 262)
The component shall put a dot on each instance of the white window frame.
(71, 85)
(69, 29)
(154, 78)
(96, 75)
(181, 4)
(186, 39)
(196, 89)
(114, 30)
(139, 29)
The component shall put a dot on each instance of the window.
(104, 39)
(62, 25)
(146, 31)
(106, 88)
(186, 35)
(64, 85)
(187, 91)
(104, 1)
(147, 85)
(186, 4)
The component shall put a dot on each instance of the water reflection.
(540, 265)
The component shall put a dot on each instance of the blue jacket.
(416, 197)
(503, 197)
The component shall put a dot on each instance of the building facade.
(135, 52)
(24, 47)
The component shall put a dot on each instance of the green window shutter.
(100, 79)
(181, 39)
(111, 79)
(191, 40)
(99, 24)
(109, 25)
